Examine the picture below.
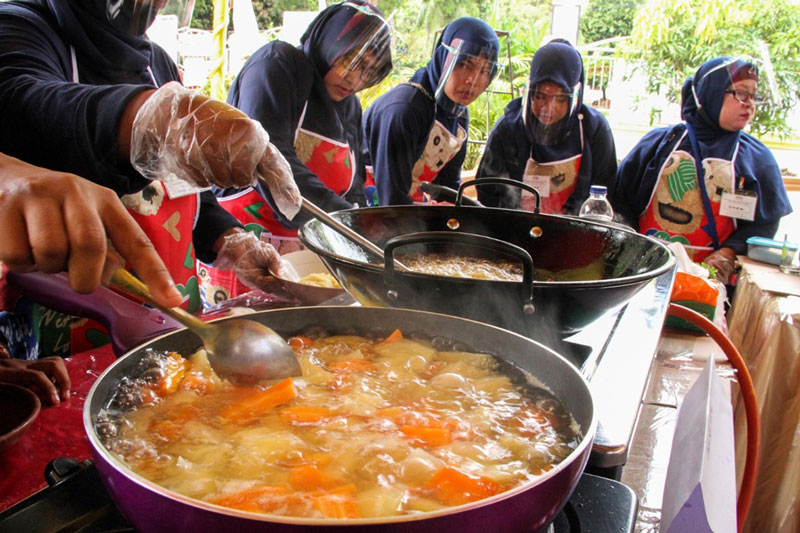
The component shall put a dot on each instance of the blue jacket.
(50, 121)
(509, 147)
(273, 87)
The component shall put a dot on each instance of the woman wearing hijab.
(705, 183)
(84, 91)
(417, 131)
(549, 139)
(305, 97)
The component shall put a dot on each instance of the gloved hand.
(724, 260)
(253, 260)
(207, 142)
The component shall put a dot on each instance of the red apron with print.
(441, 147)
(332, 161)
(676, 212)
(561, 178)
(168, 222)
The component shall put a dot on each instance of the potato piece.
(380, 501)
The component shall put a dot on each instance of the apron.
(677, 209)
(167, 214)
(331, 160)
(555, 181)
(441, 147)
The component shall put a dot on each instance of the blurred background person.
(418, 131)
(705, 182)
(82, 90)
(549, 139)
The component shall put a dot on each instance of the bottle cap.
(598, 189)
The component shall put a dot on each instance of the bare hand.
(47, 377)
(56, 221)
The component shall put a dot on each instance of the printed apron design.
(676, 212)
(555, 181)
(441, 147)
(168, 223)
(332, 161)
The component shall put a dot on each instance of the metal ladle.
(315, 211)
(238, 349)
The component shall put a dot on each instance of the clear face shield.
(367, 59)
(548, 108)
(135, 16)
(748, 79)
(468, 71)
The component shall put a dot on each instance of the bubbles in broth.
(375, 427)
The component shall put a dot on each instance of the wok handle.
(129, 323)
(469, 239)
(445, 194)
(500, 181)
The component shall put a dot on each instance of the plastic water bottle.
(597, 206)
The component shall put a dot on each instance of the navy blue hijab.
(333, 33)
(701, 107)
(470, 30)
(115, 54)
(561, 64)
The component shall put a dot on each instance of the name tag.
(540, 183)
(177, 188)
(741, 204)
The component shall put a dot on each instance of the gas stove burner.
(77, 501)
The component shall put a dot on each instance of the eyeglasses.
(561, 98)
(743, 97)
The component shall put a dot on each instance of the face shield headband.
(364, 51)
(134, 17)
(547, 112)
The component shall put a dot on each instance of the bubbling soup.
(375, 427)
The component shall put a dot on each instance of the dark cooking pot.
(529, 507)
(622, 261)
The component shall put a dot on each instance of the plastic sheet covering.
(678, 363)
(765, 327)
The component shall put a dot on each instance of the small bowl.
(306, 262)
(19, 407)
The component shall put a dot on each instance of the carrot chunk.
(453, 487)
(309, 477)
(305, 414)
(427, 436)
(299, 342)
(260, 401)
(350, 366)
(337, 504)
(395, 336)
(256, 499)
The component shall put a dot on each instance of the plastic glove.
(182, 133)
(253, 261)
(724, 260)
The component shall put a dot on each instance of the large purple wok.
(529, 507)
(621, 262)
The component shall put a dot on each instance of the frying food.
(374, 427)
(457, 266)
(320, 279)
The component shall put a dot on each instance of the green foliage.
(608, 18)
(672, 38)
(269, 13)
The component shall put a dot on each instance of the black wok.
(528, 507)
(621, 261)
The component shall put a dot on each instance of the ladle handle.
(126, 281)
(347, 232)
